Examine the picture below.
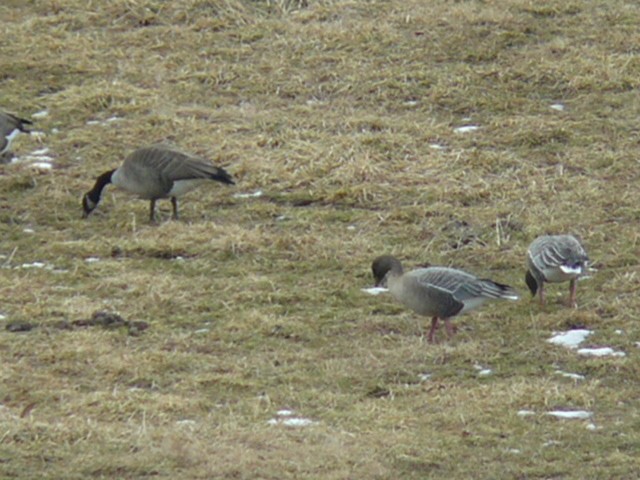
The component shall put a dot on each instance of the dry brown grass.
(330, 108)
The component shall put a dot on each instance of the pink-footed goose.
(437, 292)
(554, 259)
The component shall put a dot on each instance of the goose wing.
(175, 165)
(433, 292)
(556, 251)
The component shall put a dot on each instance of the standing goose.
(156, 172)
(10, 127)
(553, 259)
(438, 292)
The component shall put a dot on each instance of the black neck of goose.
(101, 182)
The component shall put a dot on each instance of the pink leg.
(431, 336)
(572, 294)
(451, 329)
(543, 300)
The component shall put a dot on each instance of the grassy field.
(343, 114)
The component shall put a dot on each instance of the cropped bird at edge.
(10, 127)
(437, 292)
(156, 172)
(555, 259)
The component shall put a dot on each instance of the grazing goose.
(553, 259)
(156, 172)
(10, 127)
(437, 292)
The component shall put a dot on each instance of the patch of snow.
(601, 352)
(42, 151)
(591, 426)
(289, 420)
(202, 330)
(38, 135)
(411, 103)
(571, 414)
(92, 259)
(112, 119)
(185, 422)
(28, 230)
(436, 146)
(513, 450)
(41, 165)
(351, 227)
(425, 376)
(3, 317)
(280, 218)
(297, 422)
(375, 290)
(40, 114)
(33, 265)
(483, 372)
(618, 332)
(570, 339)
(93, 122)
(466, 129)
(551, 443)
(557, 106)
(257, 193)
(525, 413)
(55, 130)
(574, 376)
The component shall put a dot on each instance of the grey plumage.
(10, 127)
(437, 292)
(156, 172)
(554, 259)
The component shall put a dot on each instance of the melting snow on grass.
(562, 414)
(601, 352)
(573, 338)
(375, 290)
(574, 376)
(466, 129)
(525, 413)
(482, 372)
(103, 122)
(286, 417)
(571, 414)
(570, 339)
(37, 159)
(558, 107)
(257, 193)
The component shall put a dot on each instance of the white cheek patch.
(10, 138)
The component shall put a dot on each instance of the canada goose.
(553, 259)
(156, 172)
(10, 127)
(438, 292)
